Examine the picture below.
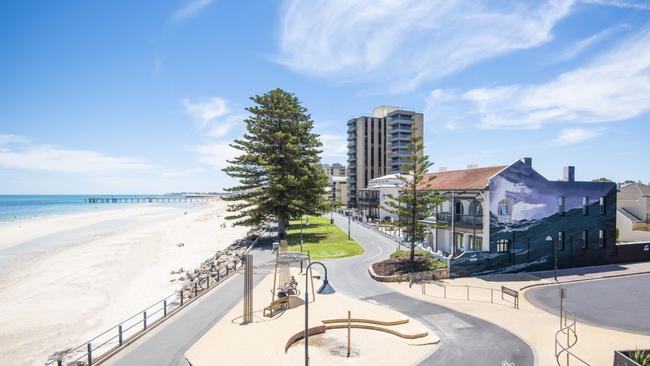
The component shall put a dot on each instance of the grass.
(321, 239)
(433, 264)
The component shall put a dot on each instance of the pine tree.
(279, 169)
(413, 204)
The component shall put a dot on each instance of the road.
(618, 303)
(465, 340)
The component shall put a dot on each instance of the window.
(504, 208)
(475, 243)
(585, 239)
(585, 205)
(503, 245)
(601, 238)
(560, 205)
(601, 201)
(458, 241)
(560, 240)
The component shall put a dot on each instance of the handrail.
(569, 330)
(147, 319)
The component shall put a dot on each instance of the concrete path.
(616, 303)
(167, 343)
(465, 340)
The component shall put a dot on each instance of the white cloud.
(222, 127)
(334, 145)
(584, 44)
(190, 9)
(409, 42)
(571, 136)
(206, 110)
(630, 4)
(17, 153)
(613, 87)
(216, 153)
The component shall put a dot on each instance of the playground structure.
(284, 285)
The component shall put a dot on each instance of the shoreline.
(72, 276)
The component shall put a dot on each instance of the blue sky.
(144, 96)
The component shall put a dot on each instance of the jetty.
(153, 199)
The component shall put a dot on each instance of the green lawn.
(321, 239)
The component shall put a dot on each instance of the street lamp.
(349, 215)
(325, 289)
(549, 239)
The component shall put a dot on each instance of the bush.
(640, 357)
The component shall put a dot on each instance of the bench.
(281, 303)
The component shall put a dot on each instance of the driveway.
(620, 303)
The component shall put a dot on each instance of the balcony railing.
(460, 219)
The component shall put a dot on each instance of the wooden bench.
(281, 303)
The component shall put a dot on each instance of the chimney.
(569, 174)
(529, 162)
(442, 169)
(472, 166)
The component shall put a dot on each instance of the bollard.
(423, 291)
(119, 334)
(181, 297)
(90, 355)
(144, 318)
(208, 280)
(218, 275)
(196, 288)
(491, 296)
(467, 292)
(59, 362)
(444, 287)
(164, 308)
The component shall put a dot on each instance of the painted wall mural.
(525, 209)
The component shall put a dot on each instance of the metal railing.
(110, 341)
(565, 339)
(472, 293)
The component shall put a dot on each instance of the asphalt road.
(618, 303)
(464, 340)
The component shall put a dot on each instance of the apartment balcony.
(460, 220)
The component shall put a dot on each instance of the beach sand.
(65, 279)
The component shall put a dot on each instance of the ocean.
(21, 207)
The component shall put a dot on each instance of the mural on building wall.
(525, 209)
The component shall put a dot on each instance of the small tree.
(413, 203)
(279, 167)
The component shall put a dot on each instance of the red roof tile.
(459, 179)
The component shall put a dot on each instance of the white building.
(372, 200)
(633, 213)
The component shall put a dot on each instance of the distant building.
(633, 212)
(337, 185)
(510, 218)
(339, 190)
(377, 145)
(372, 199)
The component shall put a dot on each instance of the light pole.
(549, 239)
(325, 289)
(300, 233)
(348, 225)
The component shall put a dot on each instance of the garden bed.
(399, 268)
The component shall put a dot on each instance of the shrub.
(640, 357)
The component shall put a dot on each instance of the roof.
(336, 178)
(632, 217)
(476, 179)
(634, 191)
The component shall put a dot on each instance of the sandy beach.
(66, 278)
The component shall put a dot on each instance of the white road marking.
(381, 251)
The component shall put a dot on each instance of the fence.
(473, 293)
(112, 340)
(567, 333)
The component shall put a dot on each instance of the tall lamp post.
(549, 239)
(325, 289)
(349, 225)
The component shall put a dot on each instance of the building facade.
(377, 145)
(510, 218)
(372, 200)
(633, 213)
(337, 185)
